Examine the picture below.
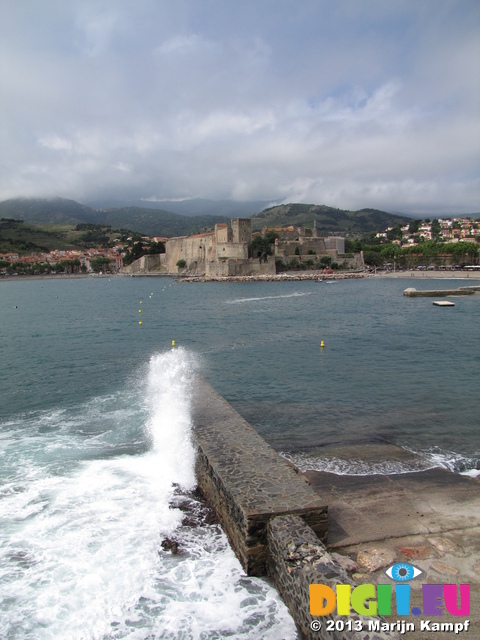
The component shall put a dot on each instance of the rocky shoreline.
(279, 277)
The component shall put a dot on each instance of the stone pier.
(275, 522)
(247, 482)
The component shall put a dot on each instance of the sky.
(348, 103)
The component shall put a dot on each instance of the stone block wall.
(195, 250)
(246, 481)
(242, 230)
(274, 520)
(146, 264)
(296, 559)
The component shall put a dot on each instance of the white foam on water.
(451, 460)
(80, 552)
(355, 467)
(288, 295)
(424, 460)
(471, 473)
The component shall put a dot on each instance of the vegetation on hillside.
(328, 219)
(139, 249)
(16, 236)
(430, 252)
(146, 221)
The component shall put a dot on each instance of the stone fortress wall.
(225, 251)
(299, 241)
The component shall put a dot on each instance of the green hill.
(46, 211)
(152, 222)
(329, 220)
(160, 222)
(21, 237)
(157, 222)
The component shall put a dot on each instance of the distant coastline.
(279, 277)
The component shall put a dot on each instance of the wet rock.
(170, 545)
(190, 522)
(375, 559)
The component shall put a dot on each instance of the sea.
(96, 453)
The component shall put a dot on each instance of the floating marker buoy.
(173, 343)
(322, 344)
(139, 311)
(140, 322)
(140, 302)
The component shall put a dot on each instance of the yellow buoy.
(140, 322)
(139, 311)
(140, 302)
(322, 344)
(173, 343)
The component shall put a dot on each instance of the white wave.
(289, 295)
(451, 460)
(170, 379)
(81, 554)
(356, 467)
(471, 473)
(424, 459)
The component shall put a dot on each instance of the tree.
(414, 225)
(372, 258)
(436, 230)
(181, 264)
(260, 245)
(395, 233)
(100, 264)
(156, 248)
(136, 252)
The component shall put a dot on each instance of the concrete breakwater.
(411, 292)
(275, 522)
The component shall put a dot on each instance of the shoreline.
(288, 276)
(459, 274)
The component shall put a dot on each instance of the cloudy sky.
(350, 103)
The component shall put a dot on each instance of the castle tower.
(242, 230)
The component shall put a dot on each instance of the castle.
(223, 252)
(226, 251)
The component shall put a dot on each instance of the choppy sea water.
(95, 434)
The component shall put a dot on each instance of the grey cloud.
(317, 101)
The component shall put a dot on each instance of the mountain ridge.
(329, 220)
(154, 221)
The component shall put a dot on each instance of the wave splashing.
(81, 553)
(169, 392)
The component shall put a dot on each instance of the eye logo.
(403, 572)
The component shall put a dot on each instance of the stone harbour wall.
(246, 481)
(274, 520)
(296, 559)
